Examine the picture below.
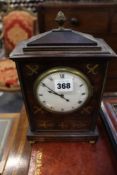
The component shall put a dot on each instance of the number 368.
(63, 85)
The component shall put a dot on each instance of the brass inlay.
(86, 110)
(37, 109)
(78, 124)
(31, 69)
(43, 124)
(92, 68)
(63, 125)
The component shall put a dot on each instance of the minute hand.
(53, 92)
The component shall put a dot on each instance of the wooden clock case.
(55, 48)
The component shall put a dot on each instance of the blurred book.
(109, 116)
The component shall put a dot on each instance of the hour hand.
(60, 95)
(53, 92)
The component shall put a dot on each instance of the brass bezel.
(62, 69)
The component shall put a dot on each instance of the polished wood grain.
(19, 156)
(10, 138)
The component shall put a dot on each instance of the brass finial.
(60, 19)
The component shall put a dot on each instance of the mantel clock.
(62, 75)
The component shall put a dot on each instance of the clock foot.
(92, 141)
(32, 142)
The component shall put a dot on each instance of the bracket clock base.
(43, 136)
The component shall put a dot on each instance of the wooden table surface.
(20, 154)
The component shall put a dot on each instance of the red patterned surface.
(8, 75)
(73, 158)
(18, 26)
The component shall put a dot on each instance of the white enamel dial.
(62, 89)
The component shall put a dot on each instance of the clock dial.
(62, 90)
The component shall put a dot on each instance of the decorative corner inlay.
(37, 109)
(86, 110)
(31, 69)
(63, 125)
(92, 68)
(45, 124)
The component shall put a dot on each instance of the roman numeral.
(50, 78)
(51, 108)
(62, 109)
(40, 94)
(80, 102)
(62, 75)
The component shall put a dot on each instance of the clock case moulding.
(62, 48)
